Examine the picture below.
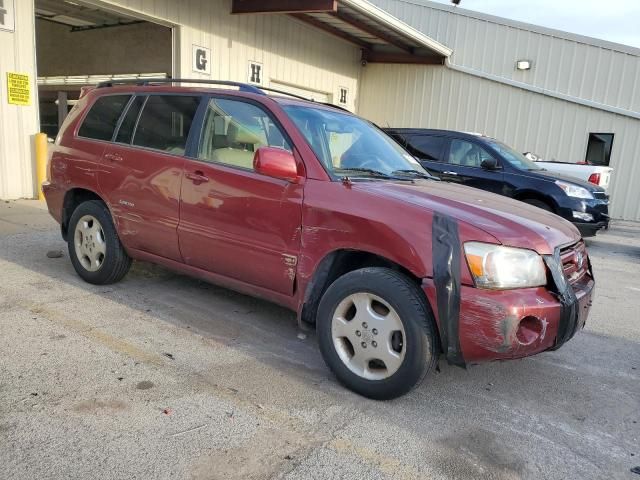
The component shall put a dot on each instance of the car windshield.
(516, 159)
(350, 146)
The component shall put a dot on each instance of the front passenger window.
(467, 154)
(234, 130)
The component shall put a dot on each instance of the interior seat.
(242, 146)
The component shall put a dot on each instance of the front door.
(142, 171)
(233, 221)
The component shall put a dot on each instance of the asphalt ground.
(165, 377)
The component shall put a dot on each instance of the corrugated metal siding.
(437, 97)
(566, 65)
(17, 124)
(290, 51)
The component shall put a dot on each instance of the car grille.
(575, 263)
(601, 195)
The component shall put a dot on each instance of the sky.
(614, 20)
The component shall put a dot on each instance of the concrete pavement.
(163, 376)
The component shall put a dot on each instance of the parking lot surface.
(163, 376)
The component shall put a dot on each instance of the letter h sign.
(255, 73)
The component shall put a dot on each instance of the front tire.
(94, 247)
(376, 332)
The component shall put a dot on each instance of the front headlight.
(574, 190)
(500, 268)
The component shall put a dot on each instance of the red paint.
(265, 231)
(277, 163)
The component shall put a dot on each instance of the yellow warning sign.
(18, 88)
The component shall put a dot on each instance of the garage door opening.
(304, 92)
(78, 44)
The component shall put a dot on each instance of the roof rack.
(304, 98)
(243, 87)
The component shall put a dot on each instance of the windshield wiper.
(370, 171)
(414, 173)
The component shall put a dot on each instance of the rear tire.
(539, 204)
(376, 332)
(94, 247)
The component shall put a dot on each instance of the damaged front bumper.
(507, 324)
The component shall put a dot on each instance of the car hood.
(509, 221)
(552, 176)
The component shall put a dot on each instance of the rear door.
(142, 171)
(464, 166)
(233, 221)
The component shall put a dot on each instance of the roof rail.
(243, 87)
(304, 98)
(282, 92)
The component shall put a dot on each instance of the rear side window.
(165, 123)
(125, 132)
(100, 122)
(426, 147)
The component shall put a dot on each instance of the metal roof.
(382, 37)
(79, 17)
(530, 27)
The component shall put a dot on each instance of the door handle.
(197, 177)
(113, 157)
(450, 173)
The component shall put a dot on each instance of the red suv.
(313, 208)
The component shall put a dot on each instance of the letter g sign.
(201, 59)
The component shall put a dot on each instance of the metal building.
(402, 63)
(576, 88)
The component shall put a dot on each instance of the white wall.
(575, 65)
(18, 124)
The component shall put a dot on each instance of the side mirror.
(276, 163)
(489, 164)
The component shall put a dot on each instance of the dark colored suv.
(315, 209)
(483, 162)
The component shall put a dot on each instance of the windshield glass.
(516, 159)
(350, 146)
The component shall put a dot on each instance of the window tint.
(426, 147)
(467, 154)
(234, 130)
(165, 123)
(599, 149)
(125, 132)
(101, 120)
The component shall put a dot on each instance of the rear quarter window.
(101, 121)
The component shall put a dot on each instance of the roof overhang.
(381, 37)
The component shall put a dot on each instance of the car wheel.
(94, 247)
(539, 204)
(376, 332)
